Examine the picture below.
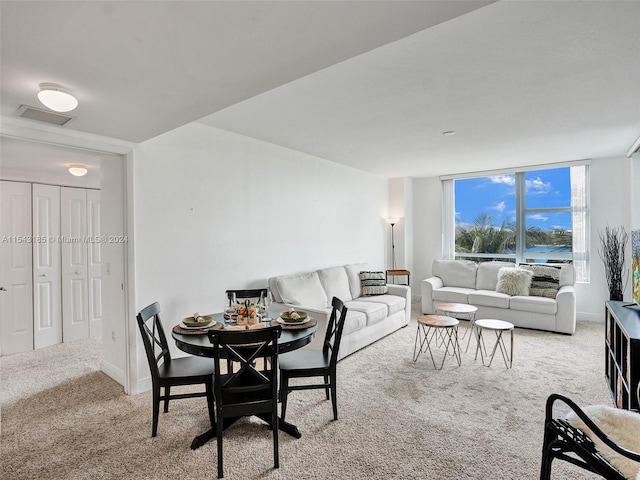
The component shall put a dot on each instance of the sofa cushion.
(489, 298)
(394, 303)
(373, 283)
(534, 304)
(335, 283)
(513, 281)
(452, 294)
(305, 290)
(487, 274)
(355, 321)
(375, 312)
(456, 273)
(353, 274)
(546, 280)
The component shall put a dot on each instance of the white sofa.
(463, 281)
(369, 318)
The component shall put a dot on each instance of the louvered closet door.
(47, 281)
(75, 302)
(16, 276)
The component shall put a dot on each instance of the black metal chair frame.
(257, 293)
(566, 442)
(249, 390)
(167, 372)
(307, 363)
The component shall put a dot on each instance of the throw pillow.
(373, 283)
(622, 426)
(545, 281)
(513, 281)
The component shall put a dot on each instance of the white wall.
(112, 215)
(214, 210)
(610, 205)
(427, 228)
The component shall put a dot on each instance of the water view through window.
(490, 224)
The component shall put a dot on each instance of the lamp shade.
(56, 98)
(392, 220)
(78, 170)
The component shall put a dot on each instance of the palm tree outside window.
(528, 216)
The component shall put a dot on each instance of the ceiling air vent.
(46, 116)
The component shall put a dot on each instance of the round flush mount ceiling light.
(56, 98)
(78, 170)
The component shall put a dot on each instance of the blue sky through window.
(495, 196)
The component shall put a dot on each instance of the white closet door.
(75, 303)
(94, 265)
(47, 281)
(16, 276)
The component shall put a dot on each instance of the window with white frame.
(529, 215)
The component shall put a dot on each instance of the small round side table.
(455, 310)
(499, 327)
(429, 327)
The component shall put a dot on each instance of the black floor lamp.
(392, 221)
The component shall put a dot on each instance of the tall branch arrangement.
(611, 251)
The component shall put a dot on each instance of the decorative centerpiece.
(247, 313)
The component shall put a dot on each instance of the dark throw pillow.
(545, 281)
(373, 283)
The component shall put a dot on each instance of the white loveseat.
(462, 281)
(369, 318)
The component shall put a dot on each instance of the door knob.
(77, 272)
(2, 289)
(43, 274)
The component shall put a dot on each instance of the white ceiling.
(367, 84)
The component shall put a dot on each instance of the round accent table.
(455, 310)
(432, 327)
(499, 327)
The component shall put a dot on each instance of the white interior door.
(75, 302)
(94, 263)
(16, 276)
(47, 280)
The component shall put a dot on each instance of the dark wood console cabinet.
(622, 353)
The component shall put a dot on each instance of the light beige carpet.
(63, 419)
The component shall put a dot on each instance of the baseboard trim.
(112, 371)
(590, 317)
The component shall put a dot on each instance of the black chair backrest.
(153, 337)
(257, 293)
(333, 336)
(249, 389)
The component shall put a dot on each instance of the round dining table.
(291, 338)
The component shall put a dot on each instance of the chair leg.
(211, 403)
(219, 443)
(276, 452)
(334, 398)
(284, 392)
(547, 456)
(326, 390)
(156, 411)
(167, 392)
(545, 468)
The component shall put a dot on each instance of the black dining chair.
(239, 296)
(254, 293)
(167, 372)
(312, 363)
(585, 447)
(253, 388)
